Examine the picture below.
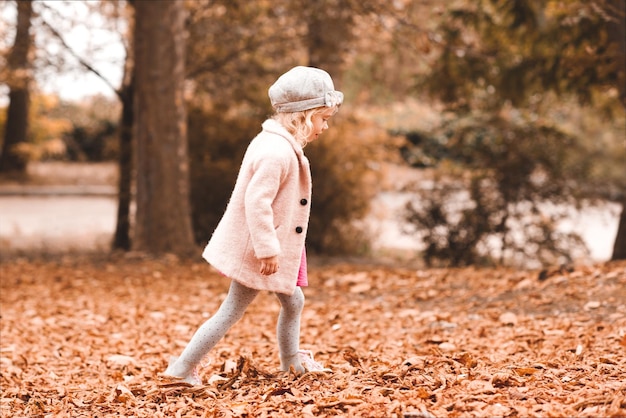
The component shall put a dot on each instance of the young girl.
(259, 242)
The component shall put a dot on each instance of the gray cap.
(303, 88)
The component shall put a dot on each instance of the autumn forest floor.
(87, 336)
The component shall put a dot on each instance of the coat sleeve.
(269, 169)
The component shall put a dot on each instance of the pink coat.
(267, 215)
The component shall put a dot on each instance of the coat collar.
(272, 126)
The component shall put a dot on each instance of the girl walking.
(259, 242)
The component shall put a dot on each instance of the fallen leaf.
(447, 347)
(508, 318)
(594, 304)
(123, 394)
(121, 360)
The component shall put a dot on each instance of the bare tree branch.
(80, 60)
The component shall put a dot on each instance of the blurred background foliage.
(511, 110)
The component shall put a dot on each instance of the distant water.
(597, 226)
(58, 223)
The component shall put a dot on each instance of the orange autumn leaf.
(525, 371)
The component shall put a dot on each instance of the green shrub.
(500, 194)
(344, 163)
(216, 147)
(344, 181)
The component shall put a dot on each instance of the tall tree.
(115, 14)
(617, 35)
(18, 80)
(329, 33)
(163, 221)
(510, 58)
(121, 237)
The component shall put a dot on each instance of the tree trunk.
(12, 158)
(616, 29)
(617, 35)
(121, 238)
(619, 248)
(163, 218)
(126, 94)
(329, 32)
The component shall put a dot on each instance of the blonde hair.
(299, 124)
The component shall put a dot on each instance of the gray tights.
(231, 311)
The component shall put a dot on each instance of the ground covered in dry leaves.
(88, 338)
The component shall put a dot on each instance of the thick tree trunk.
(163, 220)
(617, 34)
(329, 33)
(619, 248)
(12, 158)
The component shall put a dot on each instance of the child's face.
(320, 123)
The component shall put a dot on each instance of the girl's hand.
(269, 265)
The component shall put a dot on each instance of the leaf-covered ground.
(88, 338)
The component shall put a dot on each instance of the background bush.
(344, 177)
(500, 193)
